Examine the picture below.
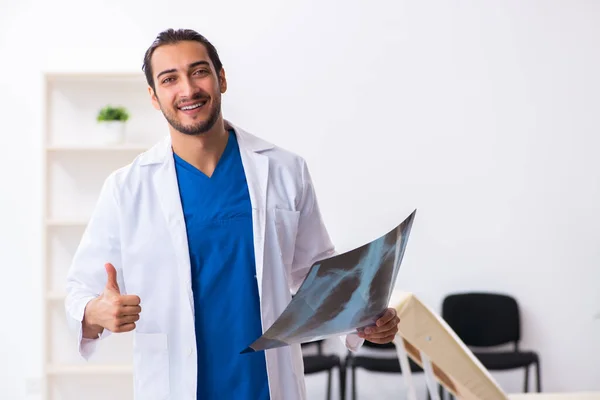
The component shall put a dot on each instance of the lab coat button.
(190, 351)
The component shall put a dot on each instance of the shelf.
(86, 369)
(139, 148)
(67, 223)
(55, 296)
(77, 162)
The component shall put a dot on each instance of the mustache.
(195, 96)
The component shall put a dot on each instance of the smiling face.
(187, 88)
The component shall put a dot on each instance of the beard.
(196, 128)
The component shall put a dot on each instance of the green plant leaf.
(112, 113)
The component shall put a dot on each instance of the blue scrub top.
(218, 218)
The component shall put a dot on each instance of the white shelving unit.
(76, 163)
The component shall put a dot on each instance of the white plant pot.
(112, 132)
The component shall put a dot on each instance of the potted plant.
(112, 121)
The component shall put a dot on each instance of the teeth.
(186, 108)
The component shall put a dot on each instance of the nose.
(187, 88)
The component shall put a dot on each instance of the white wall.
(482, 116)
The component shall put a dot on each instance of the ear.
(153, 98)
(222, 81)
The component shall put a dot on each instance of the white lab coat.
(138, 226)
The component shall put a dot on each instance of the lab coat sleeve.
(313, 244)
(87, 277)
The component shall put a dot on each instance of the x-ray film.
(341, 294)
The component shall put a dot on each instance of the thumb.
(111, 283)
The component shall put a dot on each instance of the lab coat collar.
(162, 150)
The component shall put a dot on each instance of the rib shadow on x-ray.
(341, 294)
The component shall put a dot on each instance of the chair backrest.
(483, 319)
(317, 343)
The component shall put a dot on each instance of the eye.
(167, 80)
(201, 72)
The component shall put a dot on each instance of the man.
(197, 245)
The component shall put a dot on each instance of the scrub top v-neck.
(218, 218)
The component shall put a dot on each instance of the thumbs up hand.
(111, 310)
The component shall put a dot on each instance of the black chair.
(320, 362)
(386, 362)
(486, 320)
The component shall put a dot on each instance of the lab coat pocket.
(151, 366)
(286, 224)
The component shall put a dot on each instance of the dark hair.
(172, 36)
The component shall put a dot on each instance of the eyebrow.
(192, 65)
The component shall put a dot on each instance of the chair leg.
(441, 392)
(343, 382)
(353, 382)
(329, 384)
(537, 377)
(526, 382)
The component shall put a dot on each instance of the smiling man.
(197, 245)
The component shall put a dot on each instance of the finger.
(131, 310)
(111, 282)
(127, 311)
(380, 335)
(361, 332)
(389, 314)
(125, 328)
(127, 319)
(384, 340)
(129, 300)
(387, 327)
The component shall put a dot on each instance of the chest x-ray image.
(341, 294)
